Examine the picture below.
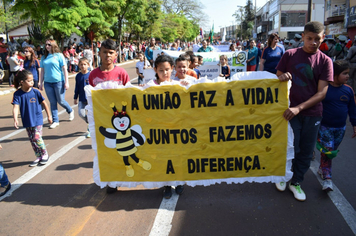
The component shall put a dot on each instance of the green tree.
(98, 20)
(125, 9)
(8, 18)
(178, 26)
(62, 18)
(152, 24)
(245, 16)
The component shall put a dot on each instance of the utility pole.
(309, 10)
(255, 28)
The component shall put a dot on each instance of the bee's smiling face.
(122, 123)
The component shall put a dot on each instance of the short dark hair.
(190, 53)
(109, 44)
(340, 66)
(192, 58)
(183, 57)
(314, 27)
(186, 56)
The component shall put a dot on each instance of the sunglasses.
(48, 44)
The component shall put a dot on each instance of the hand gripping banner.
(208, 132)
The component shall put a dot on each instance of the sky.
(220, 12)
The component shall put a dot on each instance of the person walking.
(55, 80)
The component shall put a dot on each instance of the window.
(293, 19)
(276, 21)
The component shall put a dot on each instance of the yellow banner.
(210, 131)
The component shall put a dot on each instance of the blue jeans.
(305, 129)
(3, 177)
(55, 93)
(3, 56)
(82, 112)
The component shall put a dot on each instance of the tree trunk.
(119, 21)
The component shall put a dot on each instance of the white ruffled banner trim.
(237, 76)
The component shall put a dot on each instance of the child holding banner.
(339, 102)
(194, 63)
(224, 67)
(107, 70)
(310, 71)
(182, 67)
(163, 67)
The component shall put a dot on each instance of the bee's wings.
(138, 129)
(110, 143)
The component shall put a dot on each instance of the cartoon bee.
(124, 138)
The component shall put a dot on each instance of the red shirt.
(349, 44)
(72, 51)
(117, 74)
(3, 49)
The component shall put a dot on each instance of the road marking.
(344, 207)
(22, 129)
(38, 169)
(163, 222)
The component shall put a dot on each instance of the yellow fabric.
(210, 131)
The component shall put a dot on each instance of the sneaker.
(53, 125)
(179, 189)
(110, 190)
(35, 163)
(281, 186)
(297, 191)
(71, 115)
(43, 161)
(167, 192)
(327, 185)
(4, 190)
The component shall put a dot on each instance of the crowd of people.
(316, 114)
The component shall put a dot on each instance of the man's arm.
(317, 97)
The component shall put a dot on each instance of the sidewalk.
(6, 89)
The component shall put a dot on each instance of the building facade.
(286, 17)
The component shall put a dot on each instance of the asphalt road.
(60, 198)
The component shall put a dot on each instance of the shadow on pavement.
(88, 165)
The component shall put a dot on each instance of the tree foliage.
(245, 16)
(178, 26)
(191, 9)
(62, 18)
(12, 19)
(111, 18)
